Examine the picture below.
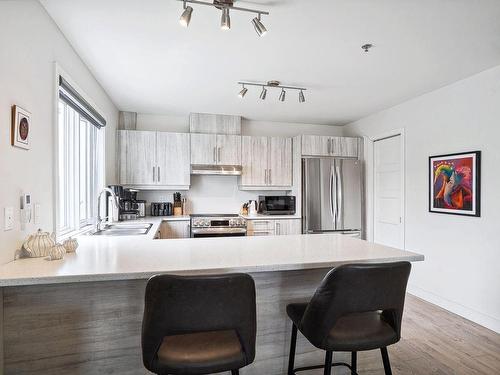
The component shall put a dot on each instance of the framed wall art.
(455, 183)
(21, 127)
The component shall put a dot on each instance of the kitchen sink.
(124, 229)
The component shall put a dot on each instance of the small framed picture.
(455, 183)
(21, 126)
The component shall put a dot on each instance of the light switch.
(8, 218)
(37, 213)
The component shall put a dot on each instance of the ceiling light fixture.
(243, 92)
(225, 21)
(224, 6)
(282, 95)
(186, 16)
(302, 98)
(263, 93)
(259, 27)
(272, 84)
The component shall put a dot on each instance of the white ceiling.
(148, 63)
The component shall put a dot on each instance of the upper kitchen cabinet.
(266, 163)
(154, 160)
(214, 124)
(137, 157)
(172, 150)
(215, 149)
(315, 145)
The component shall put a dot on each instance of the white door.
(388, 192)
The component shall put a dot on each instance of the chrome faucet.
(115, 201)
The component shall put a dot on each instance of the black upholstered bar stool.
(199, 325)
(357, 307)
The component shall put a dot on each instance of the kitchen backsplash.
(209, 194)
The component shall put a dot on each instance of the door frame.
(371, 180)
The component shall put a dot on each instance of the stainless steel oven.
(217, 226)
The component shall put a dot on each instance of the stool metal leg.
(354, 362)
(293, 343)
(385, 359)
(328, 363)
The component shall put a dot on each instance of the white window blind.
(80, 166)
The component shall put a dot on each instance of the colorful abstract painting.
(455, 183)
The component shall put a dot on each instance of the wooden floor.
(434, 341)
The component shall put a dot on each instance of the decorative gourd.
(57, 251)
(70, 245)
(39, 244)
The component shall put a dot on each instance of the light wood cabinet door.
(174, 229)
(137, 157)
(254, 161)
(280, 162)
(204, 149)
(228, 149)
(215, 124)
(288, 226)
(315, 145)
(173, 159)
(261, 227)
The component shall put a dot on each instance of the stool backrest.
(188, 304)
(356, 288)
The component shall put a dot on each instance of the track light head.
(243, 92)
(225, 21)
(282, 95)
(302, 98)
(259, 27)
(263, 93)
(186, 16)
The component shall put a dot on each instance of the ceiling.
(148, 63)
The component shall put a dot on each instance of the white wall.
(28, 51)
(461, 270)
(220, 194)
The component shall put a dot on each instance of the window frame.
(76, 226)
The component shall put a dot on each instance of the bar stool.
(199, 324)
(357, 307)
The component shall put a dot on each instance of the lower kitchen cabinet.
(174, 229)
(273, 227)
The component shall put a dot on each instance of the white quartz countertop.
(101, 258)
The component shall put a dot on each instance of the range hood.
(221, 170)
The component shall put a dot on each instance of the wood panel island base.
(54, 325)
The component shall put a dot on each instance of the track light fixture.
(224, 6)
(259, 27)
(225, 21)
(272, 84)
(282, 95)
(243, 92)
(302, 98)
(263, 93)
(186, 15)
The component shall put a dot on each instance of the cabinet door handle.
(329, 146)
(265, 176)
(215, 154)
(278, 229)
(154, 174)
(158, 173)
(218, 156)
(270, 177)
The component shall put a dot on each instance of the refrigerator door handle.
(338, 187)
(331, 195)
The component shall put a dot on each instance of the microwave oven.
(277, 204)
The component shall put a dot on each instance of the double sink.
(124, 229)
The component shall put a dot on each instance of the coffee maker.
(128, 207)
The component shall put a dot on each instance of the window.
(80, 162)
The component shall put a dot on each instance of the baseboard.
(456, 308)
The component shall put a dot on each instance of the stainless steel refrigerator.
(332, 196)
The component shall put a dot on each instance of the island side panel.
(95, 327)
